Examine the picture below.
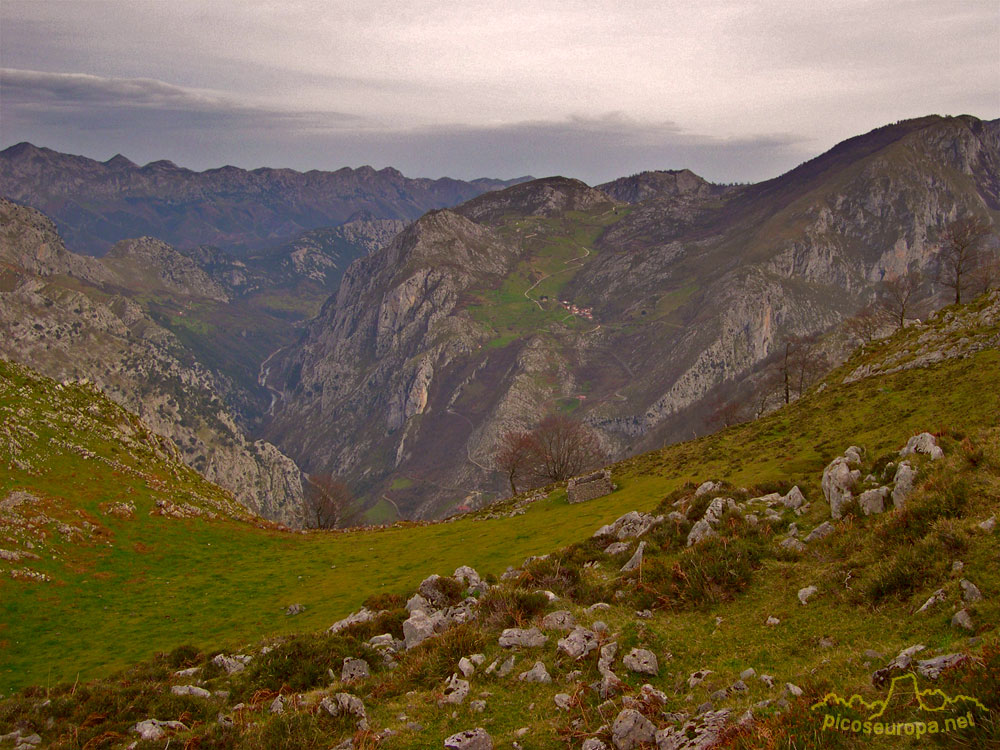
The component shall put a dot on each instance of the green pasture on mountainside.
(527, 300)
(164, 582)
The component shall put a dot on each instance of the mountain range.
(633, 306)
(96, 204)
(397, 355)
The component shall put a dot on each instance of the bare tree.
(865, 325)
(986, 277)
(800, 364)
(329, 503)
(726, 413)
(564, 447)
(767, 392)
(959, 253)
(515, 456)
(897, 296)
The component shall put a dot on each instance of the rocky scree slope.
(70, 318)
(96, 204)
(633, 317)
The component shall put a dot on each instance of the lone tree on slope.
(329, 503)
(897, 296)
(557, 449)
(960, 253)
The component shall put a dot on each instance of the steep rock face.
(97, 204)
(149, 263)
(67, 328)
(789, 257)
(408, 374)
(363, 378)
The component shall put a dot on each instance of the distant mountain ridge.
(96, 204)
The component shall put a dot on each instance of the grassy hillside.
(150, 583)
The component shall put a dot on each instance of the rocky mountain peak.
(549, 196)
(660, 183)
(120, 162)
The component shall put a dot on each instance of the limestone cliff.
(65, 316)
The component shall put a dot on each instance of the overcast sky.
(733, 89)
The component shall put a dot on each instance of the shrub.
(182, 657)
(301, 663)
(507, 607)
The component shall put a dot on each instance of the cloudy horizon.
(586, 90)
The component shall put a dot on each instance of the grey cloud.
(148, 119)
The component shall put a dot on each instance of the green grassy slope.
(229, 581)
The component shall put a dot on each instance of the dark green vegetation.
(134, 586)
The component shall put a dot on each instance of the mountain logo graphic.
(937, 711)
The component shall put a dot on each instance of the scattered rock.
(578, 643)
(295, 609)
(154, 729)
(989, 524)
(806, 594)
(354, 670)
(748, 673)
(873, 501)
(345, 704)
(923, 443)
(470, 739)
(231, 664)
(641, 661)
(629, 526)
(839, 480)
(466, 667)
(194, 690)
(631, 729)
(903, 484)
(592, 743)
(278, 705)
(616, 548)
(793, 690)
(823, 530)
(563, 701)
(901, 663)
(793, 544)
(705, 487)
(697, 677)
(419, 627)
(363, 615)
(455, 690)
(559, 620)
(772, 621)
(932, 668)
(507, 667)
(970, 592)
(767, 680)
(963, 619)
(794, 498)
(467, 575)
(703, 731)
(522, 638)
(478, 706)
(636, 560)
(705, 526)
(537, 673)
(936, 598)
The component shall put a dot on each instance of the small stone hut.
(589, 486)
